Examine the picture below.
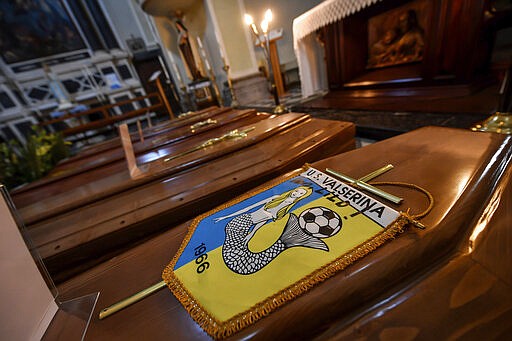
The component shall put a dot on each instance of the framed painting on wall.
(34, 30)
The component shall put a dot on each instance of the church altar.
(308, 51)
(411, 49)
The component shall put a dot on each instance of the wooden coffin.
(161, 128)
(423, 283)
(111, 156)
(93, 213)
(76, 188)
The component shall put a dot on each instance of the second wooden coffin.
(89, 220)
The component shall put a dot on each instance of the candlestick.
(265, 46)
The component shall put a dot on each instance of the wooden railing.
(81, 122)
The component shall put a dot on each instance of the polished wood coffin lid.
(458, 167)
(101, 156)
(102, 180)
(466, 296)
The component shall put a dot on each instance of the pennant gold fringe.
(222, 330)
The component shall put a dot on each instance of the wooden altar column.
(164, 98)
(276, 67)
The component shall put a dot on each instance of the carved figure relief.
(396, 37)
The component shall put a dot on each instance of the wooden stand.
(164, 98)
(276, 66)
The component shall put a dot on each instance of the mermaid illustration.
(243, 226)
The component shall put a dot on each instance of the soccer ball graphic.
(320, 222)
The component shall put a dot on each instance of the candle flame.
(268, 15)
(248, 19)
(264, 25)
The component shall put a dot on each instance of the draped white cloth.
(309, 53)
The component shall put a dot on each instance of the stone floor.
(375, 124)
(371, 125)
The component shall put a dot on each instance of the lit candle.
(254, 29)
(248, 19)
(268, 15)
(264, 26)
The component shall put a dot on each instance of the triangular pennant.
(246, 258)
